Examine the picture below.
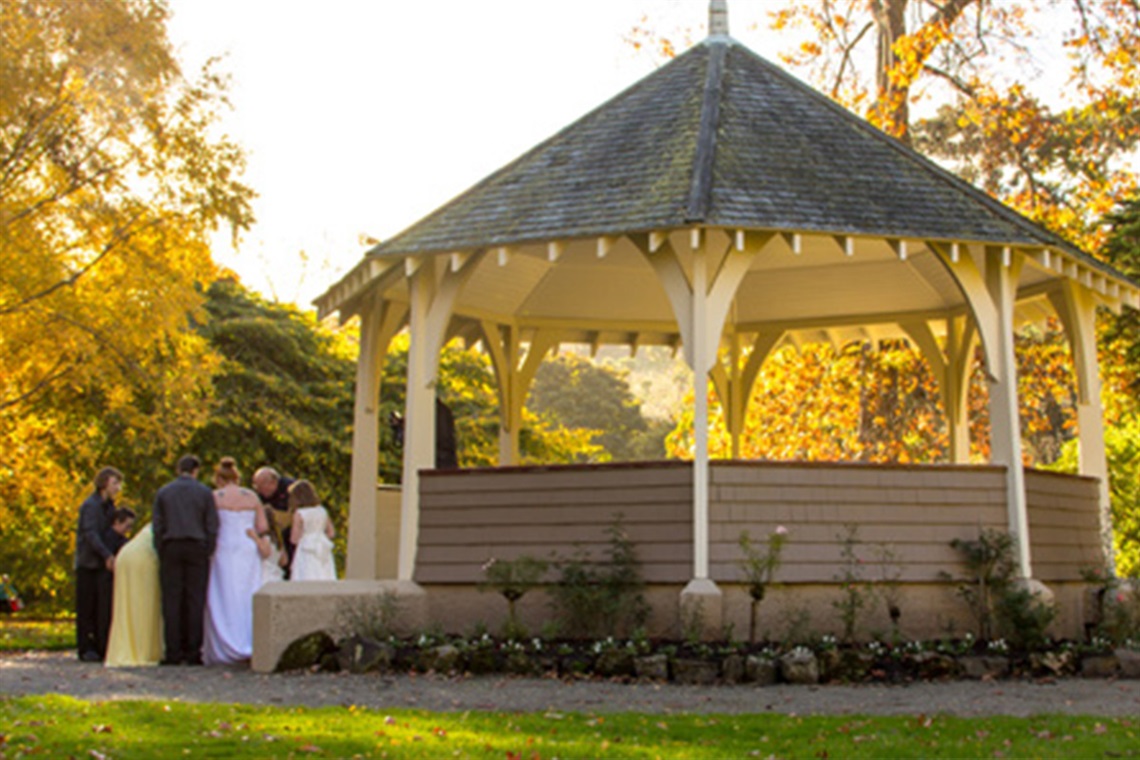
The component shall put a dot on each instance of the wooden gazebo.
(723, 207)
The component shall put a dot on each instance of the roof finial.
(718, 18)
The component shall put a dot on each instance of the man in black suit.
(92, 559)
(185, 524)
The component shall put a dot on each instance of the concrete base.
(702, 610)
(285, 611)
(1043, 593)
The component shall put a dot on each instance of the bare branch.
(956, 82)
(119, 237)
(847, 57)
(55, 373)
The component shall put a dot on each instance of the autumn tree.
(112, 179)
(961, 79)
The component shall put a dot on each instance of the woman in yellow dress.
(136, 616)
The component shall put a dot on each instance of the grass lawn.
(57, 726)
(19, 633)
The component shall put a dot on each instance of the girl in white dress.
(235, 569)
(312, 532)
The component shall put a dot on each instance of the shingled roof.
(719, 137)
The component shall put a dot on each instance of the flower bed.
(823, 661)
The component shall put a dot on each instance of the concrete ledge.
(287, 610)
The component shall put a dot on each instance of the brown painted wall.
(910, 511)
(470, 516)
(1064, 525)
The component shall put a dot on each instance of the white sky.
(361, 116)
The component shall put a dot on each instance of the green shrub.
(1001, 607)
(601, 598)
(512, 578)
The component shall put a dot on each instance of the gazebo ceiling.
(846, 219)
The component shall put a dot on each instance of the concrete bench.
(285, 611)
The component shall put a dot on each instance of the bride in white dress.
(312, 532)
(235, 570)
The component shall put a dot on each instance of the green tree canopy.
(283, 395)
(575, 393)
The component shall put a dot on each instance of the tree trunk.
(893, 105)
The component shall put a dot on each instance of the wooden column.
(1076, 307)
(1002, 269)
(432, 289)
(379, 322)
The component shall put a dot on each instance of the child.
(312, 532)
(273, 560)
(9, 599)
(122, 520)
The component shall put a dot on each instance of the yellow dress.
(136, 618)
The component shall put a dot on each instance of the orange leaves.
(882, 404)
(810, 48)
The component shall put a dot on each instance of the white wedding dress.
(235, 574)
(313, 560)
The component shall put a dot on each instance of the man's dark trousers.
(185, 573)
(92, 611)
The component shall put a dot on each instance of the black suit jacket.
(94, 519)
(185, 509)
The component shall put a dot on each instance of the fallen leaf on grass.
(101, 728)
(312, 748)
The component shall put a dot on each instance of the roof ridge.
(700, 190)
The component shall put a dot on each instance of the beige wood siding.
(470, 516)
(1064, 525)
(911, 511)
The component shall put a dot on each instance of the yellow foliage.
(111, 182)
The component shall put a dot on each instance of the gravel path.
(59, 672)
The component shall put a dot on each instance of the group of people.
(181, 591)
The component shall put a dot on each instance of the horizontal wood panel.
(474, 481)
(948, 514)
(564, 497)
(560, 533)
(554, 515)
(647, 554)
(467, 517)
(873, 535)
(815, 494)
(859, 476)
